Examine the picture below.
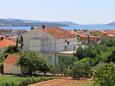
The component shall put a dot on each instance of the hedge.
(20, 81)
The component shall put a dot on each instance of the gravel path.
(62, 82)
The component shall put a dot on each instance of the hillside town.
(54, 44)
(50, 41)
(57, 43)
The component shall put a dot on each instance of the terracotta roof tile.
(83, 34)
(6, 42)
(11, 59)
(109, 33)
(59, 33)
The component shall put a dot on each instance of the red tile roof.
(6, 42)
(83, 34)
(58, 32)
(11, 59)
(108, 33)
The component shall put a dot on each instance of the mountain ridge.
(24, 22)
(112, 23)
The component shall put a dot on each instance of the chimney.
(1, 38)
(43, 26)
(32, 28)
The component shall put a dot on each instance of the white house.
(50, 41)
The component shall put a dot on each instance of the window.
(74, 47)
(78, 38)
(65, 47)
(67, 42)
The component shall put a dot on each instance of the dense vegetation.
(64, 66)
(96, 61)
(104, 74)
(100, 65)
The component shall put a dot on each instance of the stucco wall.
(11, 69)
(35, 45)
(46, 40)
(60, 44)
(52, 58)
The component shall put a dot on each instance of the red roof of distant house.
(59, 33)
(6, 42)
(108, 33)
(11, 59)
(83, 34)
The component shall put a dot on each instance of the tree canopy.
(33, 61)
(108, 42)
(108, 56)
(11, 49)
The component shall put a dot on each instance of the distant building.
(11, 37)
(18, 32)
(107, 33)
(5, 31)
(85, 38)
(9, 32)
(51, 41)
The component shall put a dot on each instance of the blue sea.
(91, 27)
(79, 27)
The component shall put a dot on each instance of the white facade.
(37, 40)
(66, 44)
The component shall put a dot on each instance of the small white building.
(50, 41)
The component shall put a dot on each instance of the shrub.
(65, 64)
(81, 68)
(20, 81)
(92, 84)
(109, 55)
(104, 74)
(108, 42)
(11, 49)
(55, 69)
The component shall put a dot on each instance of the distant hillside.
(19, 22)
(68, 23)
(113, 23)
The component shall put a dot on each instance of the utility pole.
(89, 45)
(55, 59)
(55, 54)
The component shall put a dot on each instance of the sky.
(78, 11)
